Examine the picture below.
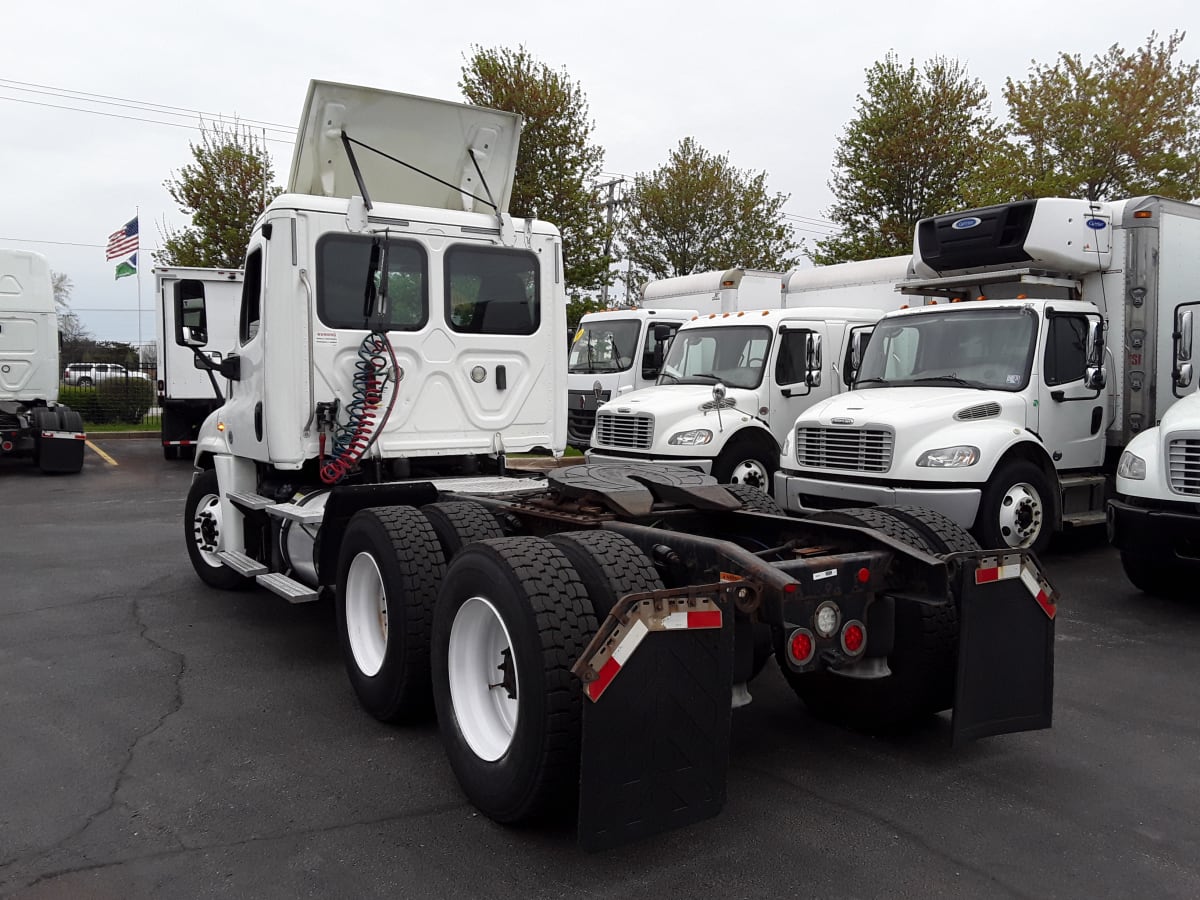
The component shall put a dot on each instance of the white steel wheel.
(751, 472)
(206, 529)
(484, 686)
(1022, 515)
(366, 614)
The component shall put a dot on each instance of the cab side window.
(1066, 349)
(251, 297)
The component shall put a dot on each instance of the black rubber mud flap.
(1006, 644)
(62, 452)
(655, 747)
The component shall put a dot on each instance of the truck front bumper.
(808, 495)
(1155, 532)
(601, 456)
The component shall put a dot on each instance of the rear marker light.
(801, 646)
(854, 637)
(864, 575)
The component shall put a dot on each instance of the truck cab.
(613, 353)
(731, 386)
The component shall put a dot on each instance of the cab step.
(305, 515)
(1081, 519)
(249, 500)
(288, 588)
(241, 563)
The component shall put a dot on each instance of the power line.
(111, 115)
(146, 105)
(60, 243)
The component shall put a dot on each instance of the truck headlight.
(1132, 466)
(691, 438)
(955, 457)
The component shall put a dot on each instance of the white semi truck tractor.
(582, 637)
(33, 423)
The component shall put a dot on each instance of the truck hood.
(672, 402)
(1183, 415)
(433, 135)
(910, 407)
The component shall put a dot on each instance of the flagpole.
(138, 276)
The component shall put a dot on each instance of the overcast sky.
(773, 84)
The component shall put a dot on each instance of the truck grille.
(627, 432)
(1183, 460)
(855, 449)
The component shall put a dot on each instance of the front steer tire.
(389, 570)
(202, 519)
(512, 617)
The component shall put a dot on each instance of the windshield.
(606, 346)
(732, 354)
(980, 348)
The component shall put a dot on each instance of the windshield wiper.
(870, 381)
(953, 379)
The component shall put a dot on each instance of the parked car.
(87, 374)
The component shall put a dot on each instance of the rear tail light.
(826, 619)
(854, 637)
(801, 646)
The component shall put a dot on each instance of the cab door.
(790, 393)
(243, 413)
(1071, 415)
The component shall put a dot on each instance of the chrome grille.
(628, 432)
(855, 449)
(1183, 463)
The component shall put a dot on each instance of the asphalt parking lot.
(162, 739)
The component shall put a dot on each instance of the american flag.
(123, 241)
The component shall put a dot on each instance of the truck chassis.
(584, 638)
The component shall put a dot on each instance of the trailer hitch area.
(634, 488)
(1006, 613)
(657, 682)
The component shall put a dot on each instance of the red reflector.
(801, 646)
(790, 588)
(864, 575)
(704, 619)
(853, 637)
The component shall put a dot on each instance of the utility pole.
(609, 205)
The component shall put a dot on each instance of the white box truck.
(1003, 406)
(729, 290)
(580, 636)
(612, 353)
(206, 301)
(867, 283)
(32, 421)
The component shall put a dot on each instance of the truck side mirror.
(1095, 343)
(1183, 327)
(662, 333)
(812, 360)
(191, 319)
(858, 348)
(1183, 376)
(1095, 377)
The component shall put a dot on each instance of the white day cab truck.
(583, 637)
(734, 382)
(32, 421)
(1004, 407)
(617, 351)
(206, 301)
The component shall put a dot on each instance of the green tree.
(578, 307)
(698, 213)
(1121, 125)
(223, 190)
(923, 141)
(557, 162)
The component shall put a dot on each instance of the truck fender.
(1022, 447)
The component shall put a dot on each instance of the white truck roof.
(435, 136)
(773, 317)
(25, 282)
(868, 271)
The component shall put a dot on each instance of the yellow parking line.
(104, 456)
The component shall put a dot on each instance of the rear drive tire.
(610, 565)
(202, 519)
(923, 654)
(512, 617)
(389, 570)
(459, 523)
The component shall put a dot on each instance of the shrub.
(81, 399)
(123, 399)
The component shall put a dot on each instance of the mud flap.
(1006, 616)
(61, 451)
(656, 720)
